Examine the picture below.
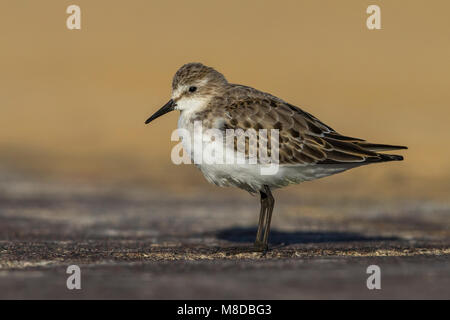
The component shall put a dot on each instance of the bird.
(306, 148)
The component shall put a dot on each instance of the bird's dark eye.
(192, 89)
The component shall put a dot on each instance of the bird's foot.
(261, 247)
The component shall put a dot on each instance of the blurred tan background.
(73, 103)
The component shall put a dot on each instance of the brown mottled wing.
(303, 139)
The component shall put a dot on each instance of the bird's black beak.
(169, 106)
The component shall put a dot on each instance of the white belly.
(249, 177)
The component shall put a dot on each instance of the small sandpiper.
(306, 148)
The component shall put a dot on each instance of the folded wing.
(303, 139)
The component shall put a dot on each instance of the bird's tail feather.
(379, 147)
(391, 157)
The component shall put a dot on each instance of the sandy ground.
(140, 243)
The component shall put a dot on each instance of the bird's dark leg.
(262, 215)
(270, 205)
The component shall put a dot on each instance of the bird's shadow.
(241, 235)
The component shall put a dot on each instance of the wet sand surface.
(149, 244)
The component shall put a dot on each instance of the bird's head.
(193, 85)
